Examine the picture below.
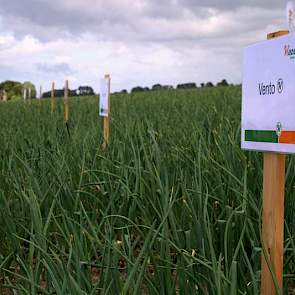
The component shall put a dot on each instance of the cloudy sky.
(139, 42)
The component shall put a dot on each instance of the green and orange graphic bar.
(271, 136)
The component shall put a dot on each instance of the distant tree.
(187, 86)
(139, 89)
(58, 93)
(29, 85)
(73, 93)
(85, 90)
(223, 83)
(81, 91)
(157, 87)
(209, 84)
(14, 90)
(167, 87)
(203, 85)
(46, 94)
(124, 91)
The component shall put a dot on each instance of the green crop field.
(172, 206)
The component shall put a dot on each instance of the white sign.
(290, 16)
(104, 98)
(268, 104)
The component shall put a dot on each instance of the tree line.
(81, 91)
(179, 86)
(12, 90)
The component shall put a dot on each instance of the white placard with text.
(268, 104)
(104, 98)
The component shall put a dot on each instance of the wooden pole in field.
(40, 95)
(66, 101)
(4, 95)
(106, 120)
(25, 94)
(30, 95)
(273, 217)
(52, 98)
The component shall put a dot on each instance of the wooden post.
(66, 101)
(4, 95)
(52, 98)
(273, 217)
(25, 94)
(30, 95)
(106, 120)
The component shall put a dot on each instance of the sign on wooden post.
(268, 124)
(104, 108)
(52, 98)
(66, 101)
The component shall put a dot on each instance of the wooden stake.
(66, 101)
(277, 34)
(273, 217)
(30, 95)
(106, 120)
(25, 94)
(52, 98)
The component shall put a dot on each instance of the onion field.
(172, 206)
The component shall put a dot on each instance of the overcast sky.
(139, 42)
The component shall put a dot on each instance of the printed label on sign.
(104, 98)
(268, 104)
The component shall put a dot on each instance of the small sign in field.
(104, 107)
(104, 98)
(268, 106)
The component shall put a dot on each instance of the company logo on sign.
(271, 88)
(289, 52)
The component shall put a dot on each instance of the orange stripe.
(287, 137)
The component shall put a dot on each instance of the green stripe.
(261, 136)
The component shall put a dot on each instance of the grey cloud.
(232, 4)
(48, 14)
(118, 19)
(39, 12)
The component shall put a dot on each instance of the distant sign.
(268, 105)
(104, 98)
(290, 16)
